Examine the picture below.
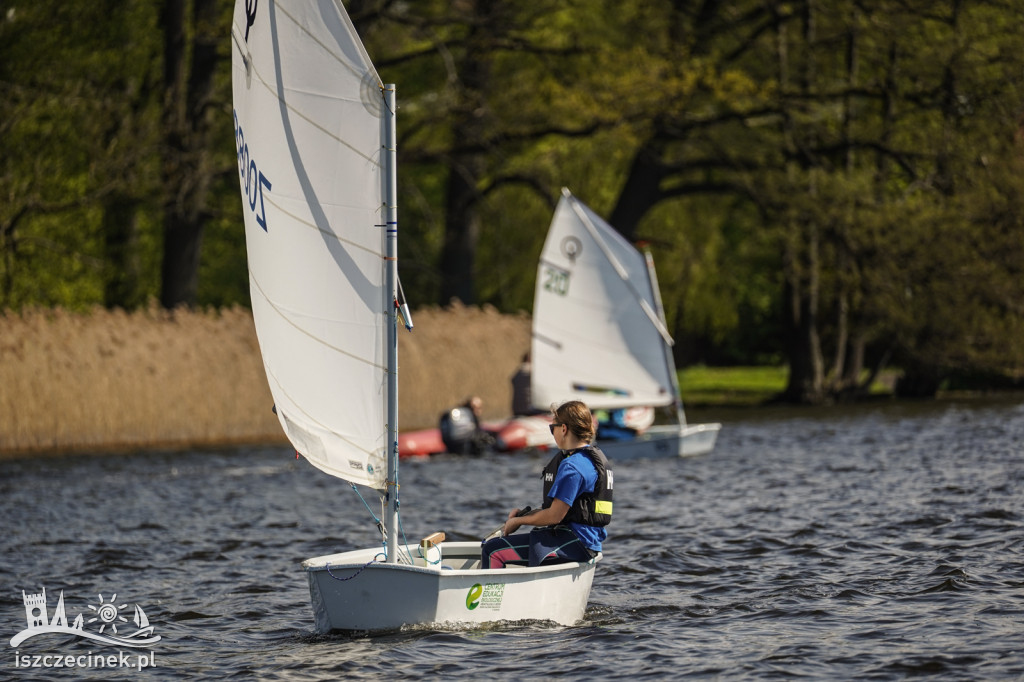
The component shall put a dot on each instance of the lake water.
(877, 542)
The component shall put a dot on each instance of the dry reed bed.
(112, 380)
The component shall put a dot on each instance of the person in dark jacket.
(461, 430)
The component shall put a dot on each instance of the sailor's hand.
(511, 524)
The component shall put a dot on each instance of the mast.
(652, 279)
(389, 158)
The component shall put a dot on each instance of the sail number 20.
(556, 280)
(252, 179)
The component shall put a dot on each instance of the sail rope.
(380, 528)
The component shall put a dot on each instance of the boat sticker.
(486, 597)
(556, 280)
(473, 596)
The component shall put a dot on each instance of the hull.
(524, 432)
(352, 592)
(421, 443)
(664, 441)
(510, 435)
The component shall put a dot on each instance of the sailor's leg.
(509, 549)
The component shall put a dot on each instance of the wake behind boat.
(315, 132)
(599, 334)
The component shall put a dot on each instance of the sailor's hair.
(576, 416)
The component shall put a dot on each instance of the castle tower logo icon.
(106, 622)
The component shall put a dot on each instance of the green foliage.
(861, 165)
(78, 124)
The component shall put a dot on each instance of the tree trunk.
(462, 232)
(472, 125)
(189, 69)
(806, 365)
(121, 286)
(641, 190)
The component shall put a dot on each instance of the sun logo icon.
(108, 614)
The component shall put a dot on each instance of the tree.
(483, 89)
(76, 141)
(191, 60)
(862, 117)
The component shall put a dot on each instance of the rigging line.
(405, 540)
(407, 557)
(398, 503)
(393, 114)
(363, 500)
(621, 271)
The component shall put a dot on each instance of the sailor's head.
(575, 415)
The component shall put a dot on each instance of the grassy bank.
(747, 386)
(732, 386)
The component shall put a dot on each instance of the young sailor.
(577, 501)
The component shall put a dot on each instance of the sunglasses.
(551, 427)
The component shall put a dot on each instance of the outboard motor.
(460, 432)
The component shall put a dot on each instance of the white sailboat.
(599, 333)
(315, 130)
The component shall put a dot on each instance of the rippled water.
(878, 542)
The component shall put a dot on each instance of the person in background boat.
(461, 431)
(611, 425)
(577, 501)
(522, 402)
(623, 424)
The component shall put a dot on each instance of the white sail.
(308, 126)
(597, 333)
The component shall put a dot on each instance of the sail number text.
(253, 181)
(556, 280)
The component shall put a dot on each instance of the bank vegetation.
(833, 187)
(106, 380)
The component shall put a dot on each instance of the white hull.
(664, 441)
(352, 592)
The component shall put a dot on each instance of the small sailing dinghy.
(315, 131)
(599, 334)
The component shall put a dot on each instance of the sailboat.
(315, 131)
(599, 334)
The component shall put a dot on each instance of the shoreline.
(112, 382)
(107, 380)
